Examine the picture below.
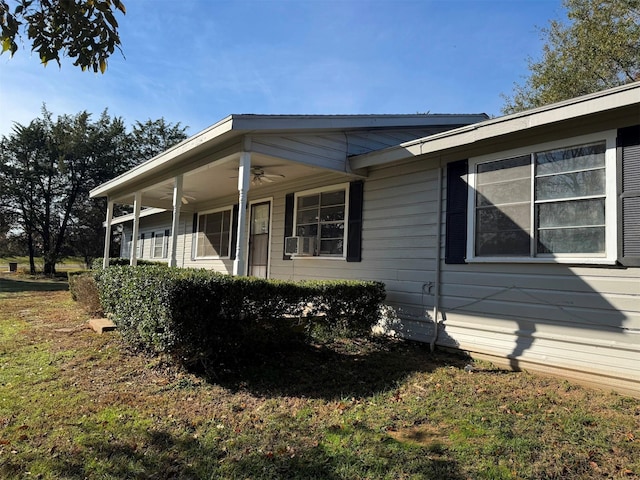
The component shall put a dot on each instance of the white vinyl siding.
(549, 202)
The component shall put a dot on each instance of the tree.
(46, 171)
(598, 48)
(48, 167)
(153, 137)
(84, 30)
(23, 164)
(110, 142)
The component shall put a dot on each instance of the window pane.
(503, 230)
(570, 159)
(308, 216)
(223, 251)
(226, 222)
(332, 230)
(308, 201)
(213, 240)
(509, 217)
(330, 214)
(504, 170)
(503, 207)
(572, 240)
(260, 214)
(577, 184)
(213, 223)
(571, 213)
(213, 234)
(333, 198)
(504, 243)
(307, 230)
(158, 245)
(331, 247)
(499, 193)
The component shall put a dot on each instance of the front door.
(259, 239)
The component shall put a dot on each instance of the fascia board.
(600, 102)
(304, 123)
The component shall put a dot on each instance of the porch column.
(107, 235)
(133, 259)
(177, 202)
(244, 177)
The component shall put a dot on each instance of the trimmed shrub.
(201, 317)
(71, 279)
(96, 264)
(84, 290)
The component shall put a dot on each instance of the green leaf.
(6, 44)
(103, 65)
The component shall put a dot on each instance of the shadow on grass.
(332, 371)
(169, 456)
(16, 285)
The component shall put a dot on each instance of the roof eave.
(238, 125)
(595, 103)
(207, 137)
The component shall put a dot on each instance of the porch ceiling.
(219, 179)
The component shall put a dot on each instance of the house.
(516, 238)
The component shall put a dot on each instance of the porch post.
(107, 235)
(244, 177)
(133, 258)
(177, 202)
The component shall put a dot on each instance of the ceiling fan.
(259, 176)
(186, 197)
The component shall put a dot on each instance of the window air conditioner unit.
(300, 246)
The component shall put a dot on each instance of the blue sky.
(197, 61)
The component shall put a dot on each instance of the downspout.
(436, 292)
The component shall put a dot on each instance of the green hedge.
(198, 315)
(121, 262)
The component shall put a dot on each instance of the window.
(552, 202)
(140, 246)
(321, 214)
(160, 244)
(126, 246)
(213, 235)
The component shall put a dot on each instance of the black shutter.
(141, 245)
(288, 222)
(628, 153)
(354, 235)
(456, 217)
(234, 232)
(194, 232)
(152, 251)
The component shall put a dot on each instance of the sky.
(198, 61)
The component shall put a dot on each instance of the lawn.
(75, 404)
(72, 263)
